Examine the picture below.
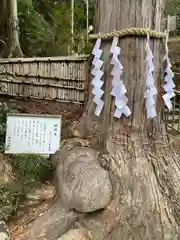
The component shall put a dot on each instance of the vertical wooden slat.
(66, 70)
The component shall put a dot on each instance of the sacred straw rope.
(141, 32)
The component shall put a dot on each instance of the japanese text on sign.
(32, 134)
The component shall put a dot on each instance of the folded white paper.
(97, 72)
(99, 108)
(151, 90)
(118, 113)
(98, 64)
(125, 110)
(150, 100)
(167, 100)
(118, 89)
(170, 74)
(97, 91)
(116, 53)
(97, 47)
(116, 81)
(151, 112)
(97, 79)
(121, 102)
(117, 72)
(171, 94)
(149, 79)
(114, 45)
(168, 85)
(96, 82)
(98, 55)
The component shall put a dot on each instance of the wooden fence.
(54, 78)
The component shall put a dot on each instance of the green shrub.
(11, 197)
(30, 170)
(31, 167)
(3, 117)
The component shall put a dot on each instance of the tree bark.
(143, 166)
(9, 29)
(15, 48)
(4, 27)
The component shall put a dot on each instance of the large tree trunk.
(144, 168)
(9, 29)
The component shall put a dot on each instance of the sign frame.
(40, 116)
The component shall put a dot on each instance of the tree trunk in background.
(9, 29)
(4, 27)
(15, 48)
(143, 166)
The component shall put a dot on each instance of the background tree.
(44, 27)
(9, 26)
(173, 8)
(41, 37)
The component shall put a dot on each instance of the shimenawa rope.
(140, 32)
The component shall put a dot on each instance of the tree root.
(146, 194)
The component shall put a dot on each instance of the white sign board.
(27, 133)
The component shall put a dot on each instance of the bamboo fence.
(54, 78)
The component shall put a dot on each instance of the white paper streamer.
(97, 73)
(118, 90)
(168, 84)
(151, 91)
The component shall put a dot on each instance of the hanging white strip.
(151, 91)
(118, 90)
(169, 85)
(97, 73)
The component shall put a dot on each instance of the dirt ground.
(19, 223)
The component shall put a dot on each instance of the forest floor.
(23, 219)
